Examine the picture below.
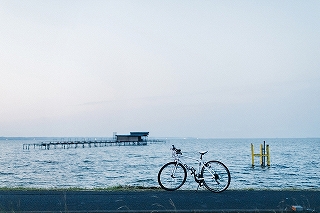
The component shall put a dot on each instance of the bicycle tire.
(169, 181)
(221, 178)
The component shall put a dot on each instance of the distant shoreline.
(109, 137)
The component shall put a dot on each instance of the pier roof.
(136, 134)
(139, 133)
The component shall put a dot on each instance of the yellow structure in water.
(264, 152)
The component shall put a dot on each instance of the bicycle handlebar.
(178, 151)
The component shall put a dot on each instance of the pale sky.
(207, 69)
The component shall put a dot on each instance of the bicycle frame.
(201, 164)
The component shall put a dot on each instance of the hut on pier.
(133, 137)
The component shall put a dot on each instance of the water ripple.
(296, 167)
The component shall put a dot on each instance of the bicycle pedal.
(200, 185)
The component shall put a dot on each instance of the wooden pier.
(62, 144)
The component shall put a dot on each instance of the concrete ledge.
(158, 201)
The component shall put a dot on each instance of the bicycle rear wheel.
(216, 176)
(172, 176)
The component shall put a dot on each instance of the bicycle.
(214, 175)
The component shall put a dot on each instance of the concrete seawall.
(157, 201)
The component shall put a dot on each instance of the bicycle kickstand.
(199, 185)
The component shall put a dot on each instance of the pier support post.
(268, 155)
(261, 155)
(264, 152)
(252, 155)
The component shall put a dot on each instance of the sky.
(178, 68)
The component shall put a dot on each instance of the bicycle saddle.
(203, 152)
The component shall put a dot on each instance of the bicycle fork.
(173, 172)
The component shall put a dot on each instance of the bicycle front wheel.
(172, 176)
(216, 176)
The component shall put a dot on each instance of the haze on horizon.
(207, 69)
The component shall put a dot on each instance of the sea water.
(294, 163)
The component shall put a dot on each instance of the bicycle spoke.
(216, 176)
(172, 176)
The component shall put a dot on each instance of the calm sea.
(294, 164)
